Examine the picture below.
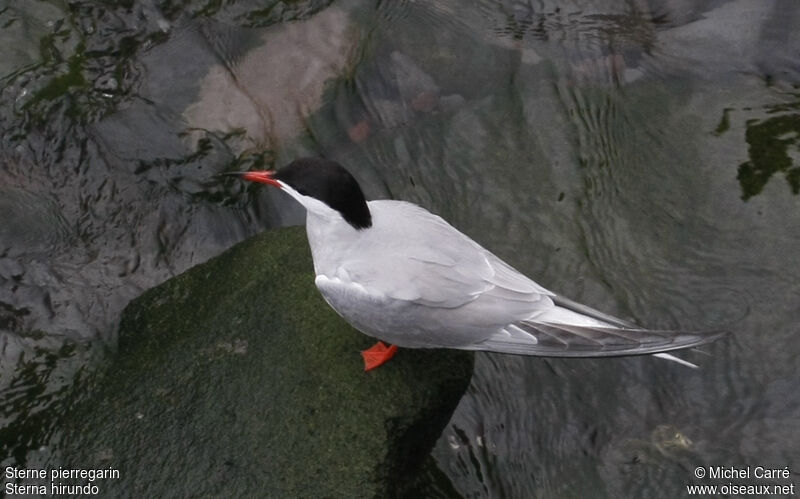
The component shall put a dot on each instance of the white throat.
(329, 234)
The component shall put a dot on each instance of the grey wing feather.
(565, 340)
(590, 312)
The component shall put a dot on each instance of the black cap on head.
(330, 183)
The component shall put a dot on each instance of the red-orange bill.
(261, 176)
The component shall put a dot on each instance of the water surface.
(642, 158)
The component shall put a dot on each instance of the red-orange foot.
(377, 355)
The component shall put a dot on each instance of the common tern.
(405, 276)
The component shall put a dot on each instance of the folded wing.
(567, 340)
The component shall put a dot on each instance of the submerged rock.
(236, 379)
(271, 90)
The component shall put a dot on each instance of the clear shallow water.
(640, 158)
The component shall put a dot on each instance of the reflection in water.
(582, 142)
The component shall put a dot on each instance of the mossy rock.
(236, 379)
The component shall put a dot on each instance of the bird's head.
(323, 187)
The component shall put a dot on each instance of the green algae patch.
(236, 379)
(769, 145)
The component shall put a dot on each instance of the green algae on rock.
(236, 379)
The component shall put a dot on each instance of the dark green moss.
(724, 122)
(236, 379)
(769, 142)
(59, 85)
